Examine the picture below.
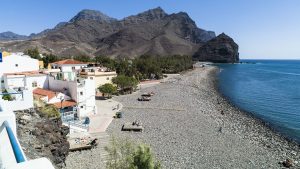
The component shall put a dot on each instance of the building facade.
(16, 63)
(100, 75)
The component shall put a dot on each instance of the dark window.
(81, 93)
(81, 107)
(16, 65)
(2, 81)
(34, 84)
(107, 78)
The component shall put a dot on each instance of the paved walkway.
(106, 110)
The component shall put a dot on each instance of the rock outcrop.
(221, 49)
(40, 136)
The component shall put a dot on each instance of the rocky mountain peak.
(151, 14)
(156, 13)
(88, 14)
(224, 36)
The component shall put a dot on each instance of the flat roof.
(28, 73)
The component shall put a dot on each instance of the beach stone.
(288, 163)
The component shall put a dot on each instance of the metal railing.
(68, 118)
(19, 155)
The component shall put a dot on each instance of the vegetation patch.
(128, 155)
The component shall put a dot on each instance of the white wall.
(39, 163)
(57, 99)
(67, 68)
(18, 63)
(60, 85)
(6, 152)
(16, 81)
(87, 101)
(19, 104)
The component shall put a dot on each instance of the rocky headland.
(221, 49)
(42, 137)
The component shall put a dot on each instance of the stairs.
(103, 139)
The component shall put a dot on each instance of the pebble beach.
(189, 124)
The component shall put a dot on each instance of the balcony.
(93, 72)
(11, 153)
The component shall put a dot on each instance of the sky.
(263, 29)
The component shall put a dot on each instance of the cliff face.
(40, 136)
(221, 49)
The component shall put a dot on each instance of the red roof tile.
(66, 103)
(69, 62)
(42, 92)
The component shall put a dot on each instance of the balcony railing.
(18, 153)
(11, 153)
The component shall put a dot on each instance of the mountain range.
(92, 33)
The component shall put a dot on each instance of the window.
(81, 93)
(81, 107)
(91, 78)
(34, 84)
(16, 65)
(2, 81)
(73, 68)
(107, 78)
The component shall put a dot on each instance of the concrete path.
(106, 110)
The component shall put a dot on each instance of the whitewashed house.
(68, 65)
(25, 80)
(19, 76)
(16, 63)
(81, 90)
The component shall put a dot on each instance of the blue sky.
(264, 29)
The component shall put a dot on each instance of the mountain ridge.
(93, 33)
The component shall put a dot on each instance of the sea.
(268, 89)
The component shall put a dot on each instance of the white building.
(21, 100)
(15, 63)
(25, 80)
(100, 75)
(19, 75)
(81, 90)
(68, 65)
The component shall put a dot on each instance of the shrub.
(6, 96)
(124, 154)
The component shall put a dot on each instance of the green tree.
(106, 62)
(6, 96)
(125, 83)
(83, 58)
(34, 53)
(108, 89)
(49, 58)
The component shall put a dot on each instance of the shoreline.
(280, 136)
(189, 124)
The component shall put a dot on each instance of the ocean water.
(268, 89)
